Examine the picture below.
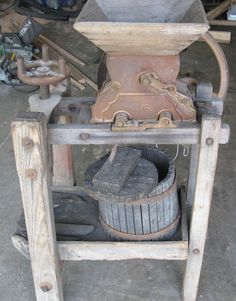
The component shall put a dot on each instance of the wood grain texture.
(154, 27)
(222, 23)
(112, 251)
(219, 10)
(113, 175)
(201, 207)
(102, 134)
(37, 203)
(221, 36)
(63, 167)
(192, 173)
(74, 60)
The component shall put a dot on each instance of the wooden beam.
(208, 154)
(63, 164)
(29, 134)
(70, 57)
(221, 36)
(77, 84)
(222, 23)
(102, 134)
(219, 10)
(111, 251)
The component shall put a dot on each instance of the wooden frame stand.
(32, 141)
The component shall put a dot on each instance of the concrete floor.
(129, 280)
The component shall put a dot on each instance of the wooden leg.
(192, 174)
(63, 169)
(208, 153)
(29, 134)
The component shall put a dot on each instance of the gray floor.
(129, 280)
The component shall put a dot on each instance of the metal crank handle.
(42, 72)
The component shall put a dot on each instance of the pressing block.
(115, 171)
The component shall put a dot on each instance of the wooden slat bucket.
(155, 216)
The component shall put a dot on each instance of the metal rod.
(223, 65)
(44, 92)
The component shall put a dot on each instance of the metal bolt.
(209, 141)
(165, 122)
(31, 173)
(171, 89)
(72, 108)
(196, 251)
(27, 142)
(46, 287)
(84, 136)
(146, 81)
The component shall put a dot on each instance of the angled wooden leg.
(208, 153)
(29, 134)
(192, 176)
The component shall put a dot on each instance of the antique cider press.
(138, 79)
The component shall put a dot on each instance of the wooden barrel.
(155, 217)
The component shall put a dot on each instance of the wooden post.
(63, 168)
(208, 153)
(29, 134)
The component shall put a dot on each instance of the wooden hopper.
(142, 27)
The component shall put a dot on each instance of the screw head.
(72, 108)
(84, 136)
(146, 81)
(27, 142)
(120, 124)
(171, 89)
(31, 173)
(46, 287)
(209, 141)
(196, 251)
(165, 122)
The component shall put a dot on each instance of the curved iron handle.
(222, 62)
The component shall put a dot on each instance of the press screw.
(209, 141)
(27, 142)
(31, 173)
(84, 136)
(196, 251)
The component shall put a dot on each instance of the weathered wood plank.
(221, 36)
(130, 219)
(184, 223)
(222, 23)
(122, 216)
(102, 134)
(112, 176)
(202, 201)
(158, 28)
(219, 10)
(75, 60)
(29, 134)
(63, 167)
(192, 173)
(111, 251)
